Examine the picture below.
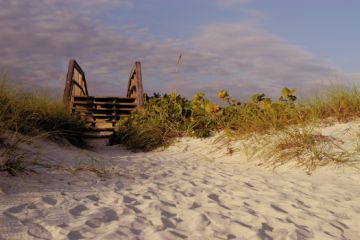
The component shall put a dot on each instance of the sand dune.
(193, 190)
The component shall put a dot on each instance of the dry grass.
(27, 116)
(31, 114)
(308, 149)
(11, 158)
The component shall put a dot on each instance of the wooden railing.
(135, 86)
(75, 83)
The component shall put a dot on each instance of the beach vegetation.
(308, 149)
(25, 116)
(166, 117)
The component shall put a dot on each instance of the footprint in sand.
(75, 235)
(38, 231)
(17, 209)
(106, 215)
(49, 200)
(168, 204)
(216, 199)
(93, 197)
(130, 200)
(94, 222)
(76, 211)
(263, 232)
(167, 214)
(230, 236)
(167, 222)
(135, 231)
(109, 215)
(195, 205)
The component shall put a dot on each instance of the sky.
(244, 46)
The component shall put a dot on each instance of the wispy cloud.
(230, 3)
(246, 58)
(38, 38)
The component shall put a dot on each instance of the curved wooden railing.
(101, 112)
(75, 83)
(135, 86)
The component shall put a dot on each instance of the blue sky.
(326, 28)
(246, 46)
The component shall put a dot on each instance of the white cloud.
(38, 38)
(247, 59)
(103, 2)
(230, 3)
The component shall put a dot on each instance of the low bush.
(165, 117)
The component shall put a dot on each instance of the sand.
(195, 189)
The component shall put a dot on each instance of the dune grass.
(26, 116)
(308, 149)
(165, 117)
(31, 114)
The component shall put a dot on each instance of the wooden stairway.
(101, 113)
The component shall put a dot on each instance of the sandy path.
(179, 195)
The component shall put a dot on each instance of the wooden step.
(92, 103)
(102, 124)
(118, 114)
(104, 99)
(91, 110)
(102, 112)
(93, 116)
(109, 129)
(101, 121)
(99, 115)
(112, 114)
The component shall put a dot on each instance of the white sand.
(192, 190)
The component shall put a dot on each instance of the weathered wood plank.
(135, 86)
(101, 112)
(74, 87)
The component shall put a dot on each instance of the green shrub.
(165, 117)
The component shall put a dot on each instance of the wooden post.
(135, 86)
(80, 88)
(139, 90)
(68, 83)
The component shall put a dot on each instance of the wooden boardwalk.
(101, 112)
